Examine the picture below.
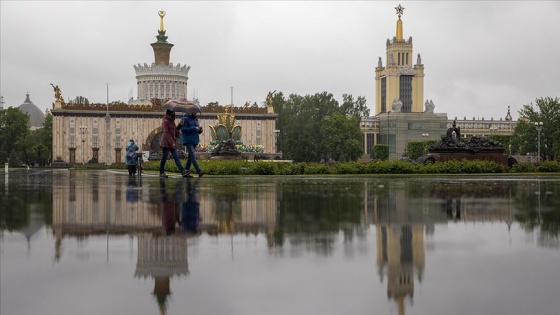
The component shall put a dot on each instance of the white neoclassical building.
(98, 133)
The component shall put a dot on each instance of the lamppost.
(83, 130)
(425, 137)
(539, 125)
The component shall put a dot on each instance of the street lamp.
(539, 125)
(83, 130)
(424, 145)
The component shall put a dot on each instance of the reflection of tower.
(162, 258)
(400, 245)
(400, 250)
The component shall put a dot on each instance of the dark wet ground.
(99, 242)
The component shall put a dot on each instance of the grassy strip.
(244, 167)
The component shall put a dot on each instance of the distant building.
(97, 133)
(161, 79)
(401, 113)
(36, 116)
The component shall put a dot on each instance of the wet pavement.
(91, 242)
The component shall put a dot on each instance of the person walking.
(167, 143)
(190, 129)
(131, 159)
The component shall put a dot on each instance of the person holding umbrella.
(190, 129)
(167, 143)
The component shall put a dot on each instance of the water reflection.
(295, 215)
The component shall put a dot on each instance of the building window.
(405, 93)
(383, 94)
(259, 133)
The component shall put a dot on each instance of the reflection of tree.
(538, 207)
(18, 204)
(312, 218)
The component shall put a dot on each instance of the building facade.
(98, 133)
(161, 79)
(399, 79)
(401, 113)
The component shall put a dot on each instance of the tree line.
(19, 144)
(312, 128)
(317, 127)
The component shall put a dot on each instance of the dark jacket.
(168, 137)
(189, 132)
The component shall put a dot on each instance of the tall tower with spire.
(399, 80)
(161, 79)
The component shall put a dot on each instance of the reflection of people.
(167, 143)
(131, 159)
(190, 210)
(132, 190)
(169, 216)
(190, 129)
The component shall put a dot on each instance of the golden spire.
(400, 11)
(161, 15)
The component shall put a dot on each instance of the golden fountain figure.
(226, 134)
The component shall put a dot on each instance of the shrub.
(380, 152)
(522, 168)
(261, 168)
(316, 168)
(548, 167)
(415, 149)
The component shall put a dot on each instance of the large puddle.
(99, 242)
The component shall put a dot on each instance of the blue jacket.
(189, 134)
(131, 158)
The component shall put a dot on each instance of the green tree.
(80, 100)
(504, 140)
(357, 108)
(380, 152)
(545, 110)
(523, 139)
(342, 134)
(556, 144)
(14, 127)
(300, 119)
(416, 149)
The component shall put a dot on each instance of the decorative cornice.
(405, 70)
(162, 69)
(156, 107)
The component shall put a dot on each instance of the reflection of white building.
(161, 258)
(109, 204)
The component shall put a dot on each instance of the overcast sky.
(479, 56)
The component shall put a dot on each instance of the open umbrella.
(183, 105)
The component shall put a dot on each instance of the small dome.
(36, 116)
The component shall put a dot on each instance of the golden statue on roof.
(161, 15)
